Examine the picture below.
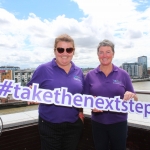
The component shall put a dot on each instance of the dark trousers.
(59, 136)
(109, 137)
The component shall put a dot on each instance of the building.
(148, 71)
(1, 71)
(12, 68)
(9, 68)
(86, 70)
(6, 74)
(140, 71)
(143, 61)
(133, 69)
(137, 69)
(23, 76)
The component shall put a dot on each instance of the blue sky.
(28, 29)
(44, 9)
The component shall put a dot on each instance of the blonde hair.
(65, 38)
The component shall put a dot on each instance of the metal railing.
(1, 126)
(142, 91)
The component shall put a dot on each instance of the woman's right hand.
(96, 110)
(30, 102)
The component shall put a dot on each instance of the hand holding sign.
(129, 95)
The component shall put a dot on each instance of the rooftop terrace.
(20, 132)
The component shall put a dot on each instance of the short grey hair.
(106, 43)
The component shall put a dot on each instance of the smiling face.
(105, 55)
(63, 59)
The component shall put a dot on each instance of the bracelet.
(81, 115)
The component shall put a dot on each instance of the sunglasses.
(68, 50)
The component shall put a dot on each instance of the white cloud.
(29, 42)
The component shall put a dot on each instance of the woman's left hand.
(129, 95)
(81, 116)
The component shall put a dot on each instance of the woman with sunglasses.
(60, 127)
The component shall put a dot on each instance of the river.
(142, 86)
(137, 86)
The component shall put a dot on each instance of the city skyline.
(28, 29)
(81, 67)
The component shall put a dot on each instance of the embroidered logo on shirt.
(117, 82)
(77, 78)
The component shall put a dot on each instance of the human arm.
(129, 95)
(96, 110)
(81, 115)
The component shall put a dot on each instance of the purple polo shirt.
(115, 84)
(50, 76)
